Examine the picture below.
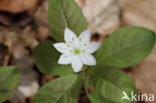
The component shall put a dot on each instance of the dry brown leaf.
(16, 6)
(139, 12)
(102, 15)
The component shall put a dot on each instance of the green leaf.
(64, 89)
(126, 47)
(108, 85)
(9, 77)
(65, 14)
(46, 58)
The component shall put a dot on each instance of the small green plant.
(9, 77)
(104, 82)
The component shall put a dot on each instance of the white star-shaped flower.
(77, 50)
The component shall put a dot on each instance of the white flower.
(77, 50)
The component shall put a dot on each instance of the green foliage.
(65, 14)
(46, 58)
(61, 90)
(126, 47)
(108, 85)
(8, 81)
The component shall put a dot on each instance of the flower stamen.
(68, 45)
(72, 39)
(80, 39)
(85, 44)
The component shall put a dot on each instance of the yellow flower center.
(77, 51)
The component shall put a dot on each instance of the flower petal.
(85, 37)
(87, 59)
(64, 59)
(62, 48)
(92, 47)
(76, 64)
(70, 36)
